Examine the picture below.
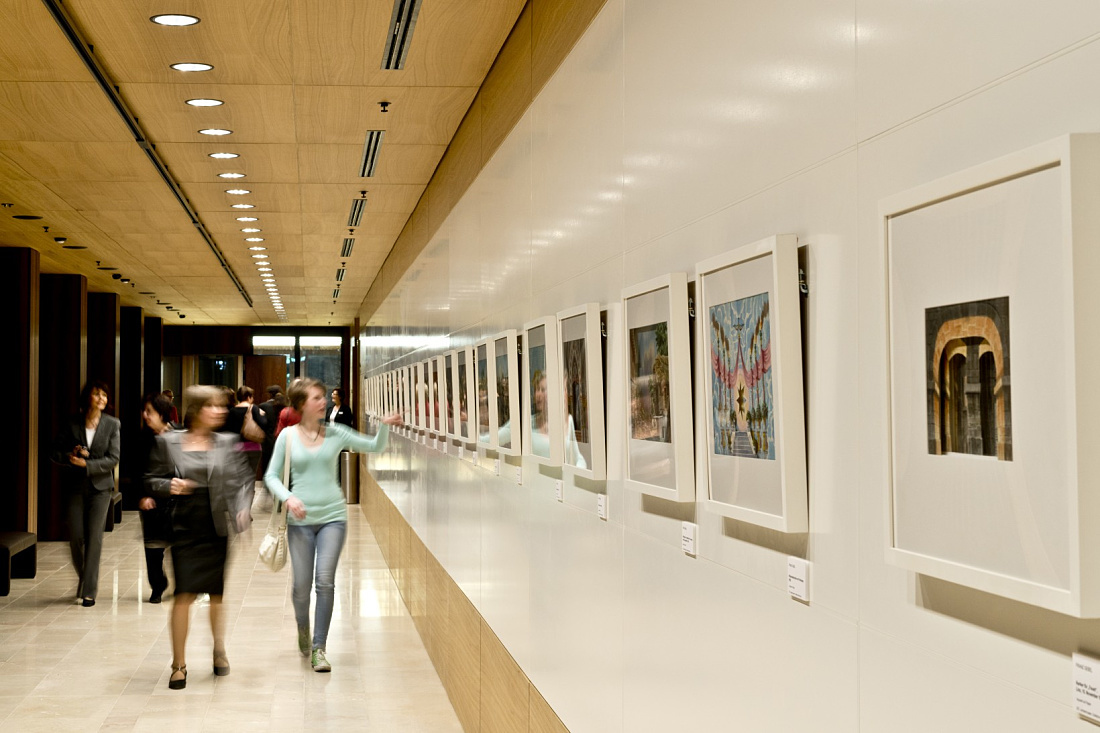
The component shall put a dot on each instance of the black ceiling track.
(61, 17)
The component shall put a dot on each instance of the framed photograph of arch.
(993, 336)
(543, 437)
(581, 354)
(505, 393)
(449, 361)
(751, 436)
(657, 365)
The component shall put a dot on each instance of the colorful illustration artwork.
(540, 417)
(743, 408)
(966, 346)
(449, 407)
(576, 387)
(503, 405)
(482, 394)
(649, 383)
(463, 399)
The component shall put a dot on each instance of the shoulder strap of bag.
(291, 432)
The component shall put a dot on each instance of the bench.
(18, 558)
(114, 511)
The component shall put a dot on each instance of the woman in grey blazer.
(88, 448)
(210, 486)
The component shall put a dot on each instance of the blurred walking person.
(156, 518)
(88, 450)
(316, 513)
(211, 490)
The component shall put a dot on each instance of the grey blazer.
(230, 480)
(102, 457)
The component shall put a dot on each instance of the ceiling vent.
(340, 275)
(349, 244)
(335, 294)
(370, 153)
(356, 214)
(402, 23)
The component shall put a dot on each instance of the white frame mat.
(596, 465)
(554, 440)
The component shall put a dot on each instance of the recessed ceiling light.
(247, 218)
(192, 66)
(205, 102)
(174, 20)
(223, 156)
(253, 239)
(244, 206)
(26, 217)
(215, 131)
(259, 257)
(231, 175)
(74, 246)
(264, 269)
(251, 230)
(257, 249)
(237, 191)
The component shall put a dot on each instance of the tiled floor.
(65, 667)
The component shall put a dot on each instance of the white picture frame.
(450, 399)
(439, 418)
(507, 388)
(581, 365)
(750, 437)
(416, 383)
(659, 451)
(484, 379)
(470, 437)
(994, 487)
(406, 398)
(542, 421)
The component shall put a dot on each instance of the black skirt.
(198, 552)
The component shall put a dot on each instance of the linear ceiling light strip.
(402, 22)
(61, 17)
(370, 153)
(349, 243)
(356, 214)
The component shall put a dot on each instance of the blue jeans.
(321, 543)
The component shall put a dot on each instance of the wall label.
(601, 506)
(559, 490)
(1086, 687)
(687, 538)
(798, 578)
(519, 475)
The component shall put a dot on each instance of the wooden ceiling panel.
(416, 116)
(63, 111)
(115, 195)
(32, 196)
(334, 199)
(32, 47)
(247, 42)
(151, 225)
(82, 161)
(378, 225)
(396, 163)
(269, 163)
(265, 197)
(224, 223)
(255, 113)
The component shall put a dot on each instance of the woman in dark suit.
(340, 413)
(88, 449)
(211, 489)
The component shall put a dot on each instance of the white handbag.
(273, 548)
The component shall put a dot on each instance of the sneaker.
(303, 641)
(319, 662)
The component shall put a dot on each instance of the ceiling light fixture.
(247, 218)
(215, 131)
(205, 102)
(223, 156)
(402, 22)
(349, 243)
(237, 191)
(253, 239)
(357, 206)
(231, 175)
(258, 249)
(370, 153)
(264, 269)
(250, 230)
(73, 246)
(259, 257)
(340, 274)
(174, 20)
(244, 206)
(192, 66)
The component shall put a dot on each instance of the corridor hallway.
(106, 668)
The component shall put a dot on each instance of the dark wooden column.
(154, 352)
(104, 343)
(131, 391)
(19, 273)
(62, 373)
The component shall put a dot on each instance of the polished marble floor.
(106, 668)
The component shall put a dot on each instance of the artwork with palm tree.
(742, 403)
(649, 383)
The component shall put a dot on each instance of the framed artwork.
(657, 365)
(751, 438)
(449, 360)
(439, 410)
(429, 396)
(483, 378)
(463, 389)
(993, 337)
(505, 388)
(406, 397)
(543, 439)
(417, 383)
(469, 396)
(581, 354)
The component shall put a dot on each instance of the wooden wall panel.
(260, 372)
(62, 373)
(19, 331)
(505, 691)
(557, 26)
(506, 92)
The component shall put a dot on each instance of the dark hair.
(161, 406)
(86, 393)
(198, 396)
(274, 390)
(279, 400)
(243, 393)
(299, 391)
(339, 393)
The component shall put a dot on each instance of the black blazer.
(102, 457)
(344, 416)
(231, 482)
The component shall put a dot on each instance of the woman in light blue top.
(316, 513)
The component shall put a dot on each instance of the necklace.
(315, 436)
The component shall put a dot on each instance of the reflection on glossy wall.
(672, 133)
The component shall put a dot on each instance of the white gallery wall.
(676, 131)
